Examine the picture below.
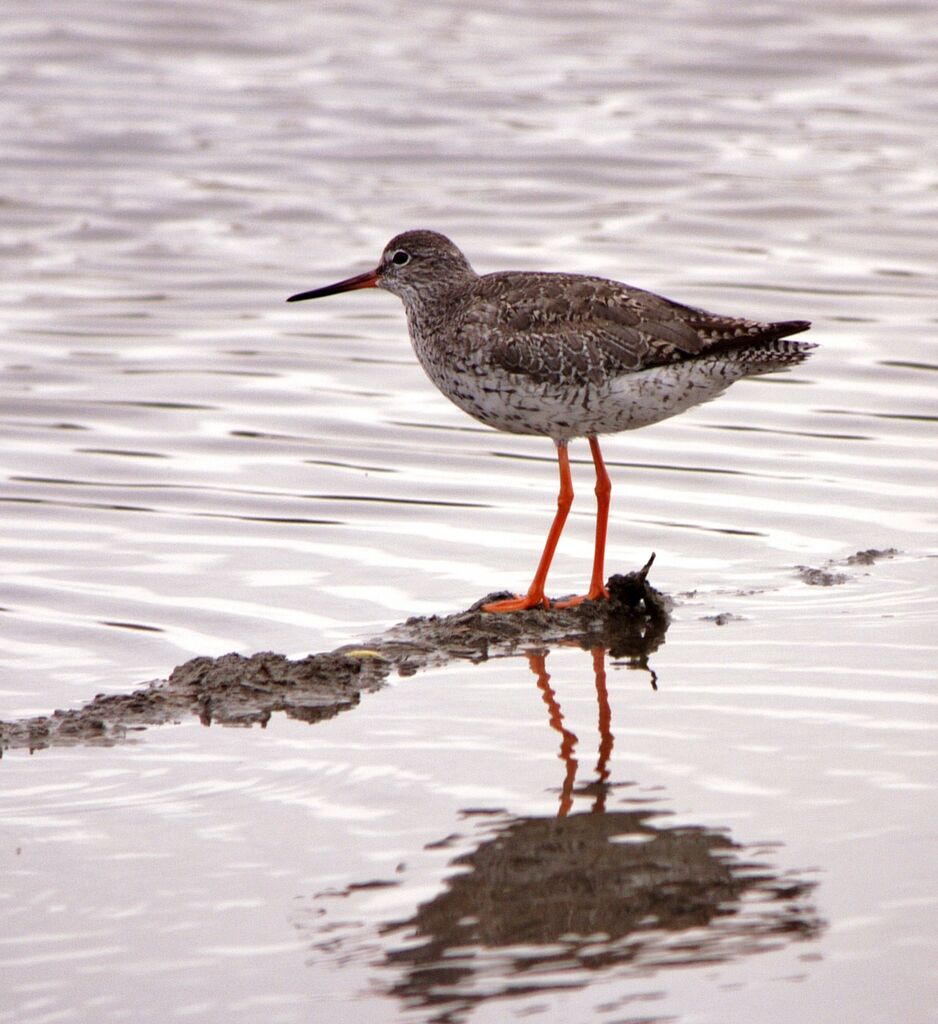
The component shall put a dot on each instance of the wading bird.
(564, 356)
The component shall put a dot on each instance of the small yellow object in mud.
(365, 652)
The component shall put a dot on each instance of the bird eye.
(401, 257)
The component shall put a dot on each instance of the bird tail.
(763, 349)
(776, 354)
(786, 327)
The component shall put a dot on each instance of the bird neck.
(429, 302)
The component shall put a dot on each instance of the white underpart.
(518, 405)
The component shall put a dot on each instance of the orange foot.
(518, 604)
(600, 595)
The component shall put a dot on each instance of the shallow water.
(190, 466)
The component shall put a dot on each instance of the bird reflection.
(554, 902)
(540, 903)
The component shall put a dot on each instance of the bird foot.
(517, 604)
(538, 600)
(571, 602)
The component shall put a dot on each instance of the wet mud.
(831, 573)
(237, 690)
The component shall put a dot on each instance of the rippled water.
(190, 466)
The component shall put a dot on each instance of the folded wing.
(573, 330)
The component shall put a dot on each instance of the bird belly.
(516, 404)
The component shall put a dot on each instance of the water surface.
(190, 467)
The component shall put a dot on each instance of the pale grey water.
(190, 466)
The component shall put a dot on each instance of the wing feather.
(578, 330)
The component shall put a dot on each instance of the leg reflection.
(568, 740)
(606, 739)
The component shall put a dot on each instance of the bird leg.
(535, 596)
(597, 590)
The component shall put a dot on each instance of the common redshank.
(564, 356)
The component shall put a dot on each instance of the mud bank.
(235, 690)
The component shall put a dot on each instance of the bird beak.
(369, 280)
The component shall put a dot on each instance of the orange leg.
(597, 590)
(535, 596)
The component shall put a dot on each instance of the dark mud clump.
(723, 618)
(821, 577)
(235, 690)
(827, 576)
(871, 556)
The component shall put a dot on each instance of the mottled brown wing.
(568, 353)
(577, 330)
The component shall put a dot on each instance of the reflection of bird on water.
(588, 893)
(564, 356)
